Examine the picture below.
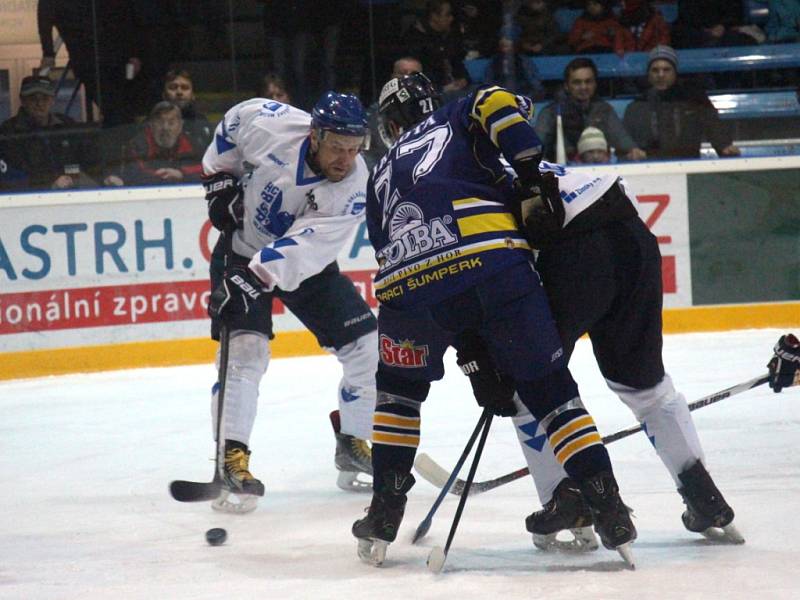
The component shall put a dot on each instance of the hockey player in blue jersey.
(454, 269)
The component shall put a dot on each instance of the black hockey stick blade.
(432, 472)
(195, 491)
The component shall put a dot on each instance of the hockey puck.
(216, 536)
(436, 559)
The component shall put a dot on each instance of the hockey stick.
(435, 473)
(437, 556)
(197, 491)
(425, 524)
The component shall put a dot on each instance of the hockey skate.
(706, 512)
(240, 489)
(612, 519)
(566, 510)
(379, 528)
(353, 456)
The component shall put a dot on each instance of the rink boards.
(96, 280)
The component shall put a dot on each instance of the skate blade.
(372, 552)
(349, 482)
(583, 540)
(625, 552)
(235, 504)
(723, 535)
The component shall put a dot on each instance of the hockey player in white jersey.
(293, 186)
(601, 269)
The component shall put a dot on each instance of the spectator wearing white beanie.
(593, 147)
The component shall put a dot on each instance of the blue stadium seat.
(633, 64)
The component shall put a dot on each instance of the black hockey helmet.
(404, 102)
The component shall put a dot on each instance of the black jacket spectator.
(41, 149)
(436, 42)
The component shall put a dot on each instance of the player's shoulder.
(267, 114)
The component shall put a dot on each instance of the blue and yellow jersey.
(439, 204)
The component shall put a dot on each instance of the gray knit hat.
(592, 139)
(663, 53)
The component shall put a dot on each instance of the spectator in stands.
(783, 24)
(274, 87)
(712, 23)
(36, 145)
(161, 153)
(644, 27)
(377, 147)
(104, 51)
(480, 21)
(539, 32)
(581, 108)
(439, 45)
(596, 30)
(593, 147)
(179, 89)
(514, 71)
(672, 119)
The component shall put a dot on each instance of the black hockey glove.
(234, 297)
(225, 200)
(784, 368)
(543, 215)
(492, 390)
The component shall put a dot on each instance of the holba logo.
(412, 237)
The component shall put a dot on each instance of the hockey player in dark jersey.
(455, 270)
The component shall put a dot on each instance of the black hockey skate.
(240, 489)
(612, 519)
(567, 509)
(379, 528)
(706, 511)
(353, 456)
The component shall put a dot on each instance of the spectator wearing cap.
(179, 89)
(580, 108)
(671, 120)
(593, 147)
(161, 153)
(35, 144)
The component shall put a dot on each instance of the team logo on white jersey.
(411, 236)
(273, 109)
(269, 218)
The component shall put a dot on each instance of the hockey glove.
(225, 200)
(543, 215)
(492, 390)
(784, 368)
(235, 296)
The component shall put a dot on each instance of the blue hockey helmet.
(339, 113)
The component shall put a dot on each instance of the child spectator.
(593, 147)
(596, 30)
(539, 33)
(644, 27)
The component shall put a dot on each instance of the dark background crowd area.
(147, 80)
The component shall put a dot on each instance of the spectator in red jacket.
(596, 30)
(161, 153)
(644, 27)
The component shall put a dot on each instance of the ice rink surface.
(86, 460)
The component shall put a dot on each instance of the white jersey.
(579, 189)
(295, 222)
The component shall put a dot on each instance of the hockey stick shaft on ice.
(198, 491)
(438, 556)
(434, 473)
(425, 524)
